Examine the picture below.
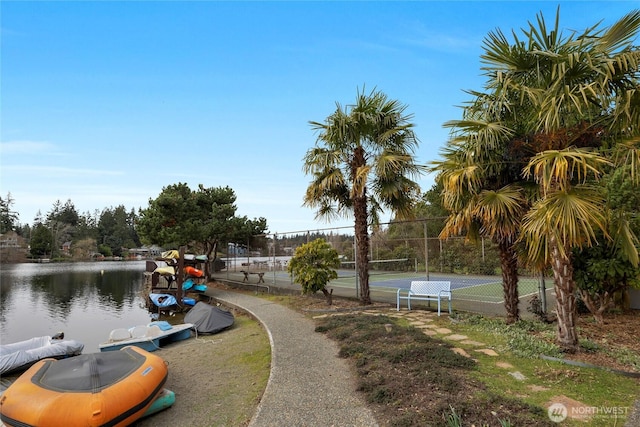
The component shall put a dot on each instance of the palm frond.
(624, 239)
(622, 33)
(500, 211)
(457, 224)
(558, 169)
(568, 217)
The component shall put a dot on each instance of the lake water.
(83, 300)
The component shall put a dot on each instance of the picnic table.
(247, 273)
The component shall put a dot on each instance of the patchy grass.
(410, 379)
(521, 344)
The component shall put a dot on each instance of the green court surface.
(472, 288)
(492, 292)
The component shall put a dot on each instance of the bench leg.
(438, 306)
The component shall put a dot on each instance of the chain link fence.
(399, 253)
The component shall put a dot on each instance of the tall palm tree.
(482, 188)
(576, 92)
(548, 99)
(564, 217)
(363, 162)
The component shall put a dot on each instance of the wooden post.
(180, 275)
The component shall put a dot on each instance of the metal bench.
(426, 291)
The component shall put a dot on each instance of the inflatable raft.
(99, 389)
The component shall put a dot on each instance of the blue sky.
(105, 103)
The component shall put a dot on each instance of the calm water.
(83, 300)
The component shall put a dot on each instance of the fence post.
(426, 250)
(355, 262)
(543, 293)
(275, 239)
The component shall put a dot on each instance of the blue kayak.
(163, 300)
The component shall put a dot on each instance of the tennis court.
(473, 288)
(463, 287)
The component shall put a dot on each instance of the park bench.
(425, 290)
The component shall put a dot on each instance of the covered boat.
(97, 389)
(208, 319)
(21, 355)
(149, 337)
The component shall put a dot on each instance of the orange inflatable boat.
(114, 388)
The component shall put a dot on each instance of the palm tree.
(564, 217)
(483, 192)
(548, 101)
(576, 93)
(363, 163)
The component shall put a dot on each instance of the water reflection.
(85, 300)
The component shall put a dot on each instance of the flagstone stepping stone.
(473, 343)
(518, 375)
(416, 323)
(560, 407)
(423, 326)
(504, 365)
(534, 387)
(429, 327)
(487, 351)
(443, 331)
(429, 332)
(461, 352)
(455, 337)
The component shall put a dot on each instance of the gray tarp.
(208, 319)
(21, 355)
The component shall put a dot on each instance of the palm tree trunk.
(362, 247)
(509, 265)
(565, 289)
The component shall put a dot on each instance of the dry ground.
(217, 379)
